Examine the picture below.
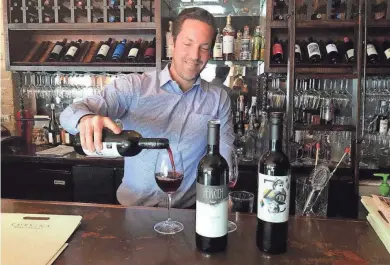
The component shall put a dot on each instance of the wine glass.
(169, 176)
(233, 178)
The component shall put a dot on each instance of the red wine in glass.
(170, 183)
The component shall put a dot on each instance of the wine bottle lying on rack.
(57, 51)
(127, 143)
(103, 51)
(73, 50)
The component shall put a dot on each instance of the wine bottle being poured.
(127, 143)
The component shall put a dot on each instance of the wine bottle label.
(387, 53)
(331, 48)
(217, 51)
(150, 51)
(211, 210)
(313, 49)
(133, 52)
(72, 51)
(227, 46)
(57, 49)
(383, 126)
(298, 49)
(104, 49)
(371, 50)
(50, 138)
(109, 150)
(350, 53)
(277, 49)
(273, 198)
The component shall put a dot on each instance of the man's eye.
(205, 48)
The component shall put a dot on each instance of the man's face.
(192, 49)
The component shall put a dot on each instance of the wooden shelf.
(316, 24)
(336, 69)
(380, 69)
(82, 67)
(379, 24)
(278, 24)
(247, 63)
(325, 127)
(84, 26)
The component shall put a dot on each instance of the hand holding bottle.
(91, 130)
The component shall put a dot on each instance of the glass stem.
(169, 207)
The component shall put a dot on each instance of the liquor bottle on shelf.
(119, 50)
(127, 143)
(54, 129)
(372, 53)
(256, 44)
(298, 53)
(217, 50)
(212, 196)
(349, 50)
(313, 50)
(150, 52)
(273, 192)
(73, 50)
(277, 51)
(169, 41)
(16, 3)
(113, 18)
(48, 17)
(228, 40)
(332, 52)
(383, 119)
(57, 51)
(134, 52)
(386, 50)
(245, 52)
(237, 45)
(103, 51)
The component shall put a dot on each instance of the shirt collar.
(165, 77)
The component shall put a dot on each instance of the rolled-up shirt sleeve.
(114, 102)
(227, 132)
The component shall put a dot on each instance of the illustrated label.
(273, 198)
(109, 149)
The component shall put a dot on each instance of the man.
(173, 103)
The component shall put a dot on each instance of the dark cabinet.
(34, 182)
(94, 184)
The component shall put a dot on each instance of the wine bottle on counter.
(217, 50)
(277, 51)
(127, 143)
(349, 50)
(372, 53)
(103, 51)
(332, 52)
(73, 50)
(298, 53)
(212, 195)
(228, 40)
(119, 50)
(57, 51)
(313, 50)
(135, 52)
(54, 129)
(273, 192)
(386, 50)
(150, 52)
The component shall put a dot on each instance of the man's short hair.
(195, 13)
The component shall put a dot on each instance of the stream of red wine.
(171, 158)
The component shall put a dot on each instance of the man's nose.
(194, 53)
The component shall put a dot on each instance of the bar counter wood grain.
(118, 235)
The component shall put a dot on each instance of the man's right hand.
(91, 128)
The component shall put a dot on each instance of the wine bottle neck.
(213, 139)
(153, 143)
(276, 140)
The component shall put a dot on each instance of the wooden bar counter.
(111, 234)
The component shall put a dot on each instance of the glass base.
(231, 227)
(168, 227)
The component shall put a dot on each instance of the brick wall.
(8, 106)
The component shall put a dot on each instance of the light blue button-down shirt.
(155, 106)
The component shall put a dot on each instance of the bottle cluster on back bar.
(139, 51)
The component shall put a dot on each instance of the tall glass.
(169, 176)
(233, 178)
